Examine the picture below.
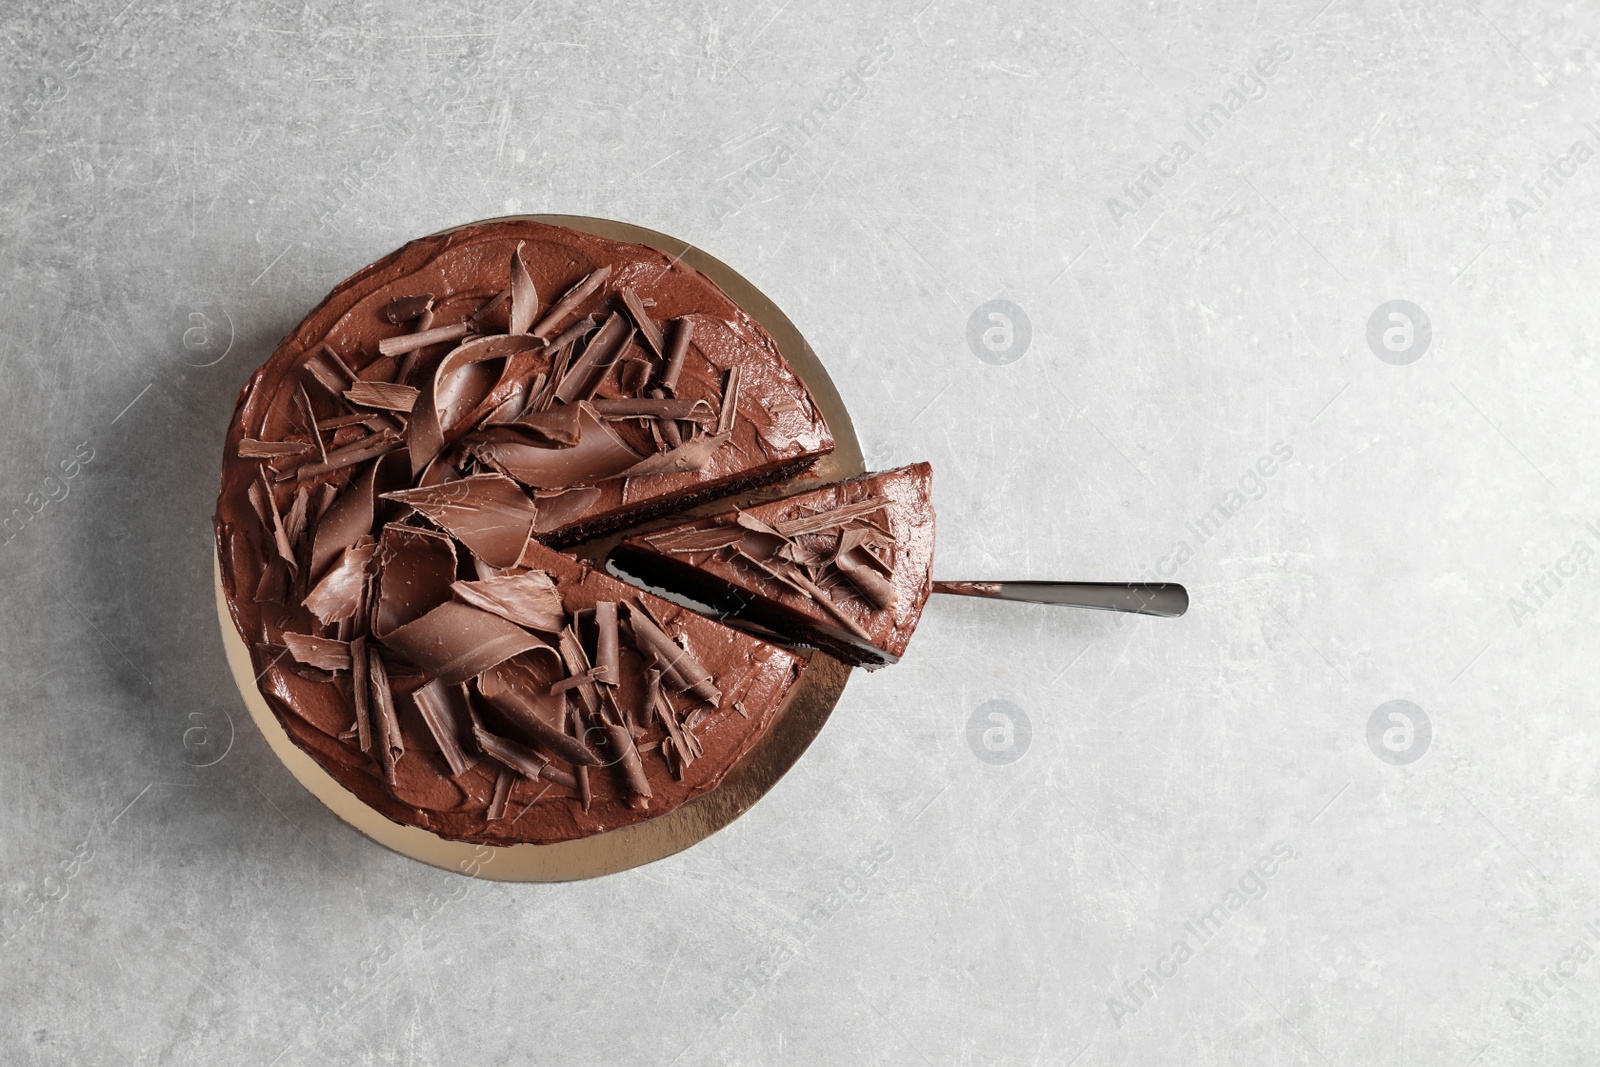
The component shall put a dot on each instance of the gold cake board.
(795, 726)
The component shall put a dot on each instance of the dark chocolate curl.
(519, 758)
(389, 742)
(513, 688)
(339, 594)
(406, 308)
(524, 297)
(489, 513)
(641, 319)
(436, 702)
(455, 642)
(416, 569)
(528, 599)
(608, 667)
(569, 302)
(361, 692)
(677, 665)
(320, 652)
(598, 455)
(676, 354)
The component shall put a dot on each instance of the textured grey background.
(181, 181)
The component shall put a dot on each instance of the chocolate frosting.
(390, 473)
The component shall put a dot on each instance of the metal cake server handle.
(1166, 599)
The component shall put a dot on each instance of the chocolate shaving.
(608, 667)
(455, 641)
(416, 567)
(833, 518)
(406, 308)
(382, 395)
(692, 455)
(585, 375)
(599, 454)
(348, 520)
(252, 449)
(502, 792)
(440, 410)
(524, 297)
(409, 342)
(730, 402)
(861, 568)
(557, 425)
(519, 758)
(570, 300)
(514, 688)
(340, 592)
(675, 356)
(389, 742)
(677, 664)
(370, 447)
(436, 702)
(329, 370)
(627, 754)
(577, 664)
(361, 692)
(563, 506)
(671, 436)
(653, 408)
(320, 652)
(489, 513)
(641, 319)
(528, 599)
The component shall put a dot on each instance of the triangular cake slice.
(846, 568)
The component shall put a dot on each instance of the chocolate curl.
(609, 667)
(677, 665)
(584, 377)
(577, 664)
(524, 761)
(669, 428)
(598, 455)
(641, 319)
(320, 652)
(433, 421)
(455, 642)
(361, 692)
(423, 324)
(369, 447)
(676, 354)
(656, 701)
(338, 595)
(502, 793)
(417, 567)
(512, 689)
(252, 449)
(857, 564)
(329, 371)
(437, 704)
(489, 513)
(346, 522)
(390, 745)
(410, 342)
(730, 402)
(403, 310)
(524, 297)
(528, 599)
(569, 302)
(627, 755)
(383, 395)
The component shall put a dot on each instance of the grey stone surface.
(1200, 395)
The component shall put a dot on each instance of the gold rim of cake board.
(795, 726)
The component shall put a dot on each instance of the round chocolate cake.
(397, 480)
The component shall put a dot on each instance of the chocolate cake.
(846, 568)
(394, 475)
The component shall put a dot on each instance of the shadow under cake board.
(797, 723)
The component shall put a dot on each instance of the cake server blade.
(1166, 599)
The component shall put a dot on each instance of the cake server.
(1165, 599)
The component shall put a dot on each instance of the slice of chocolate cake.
(845, 568)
